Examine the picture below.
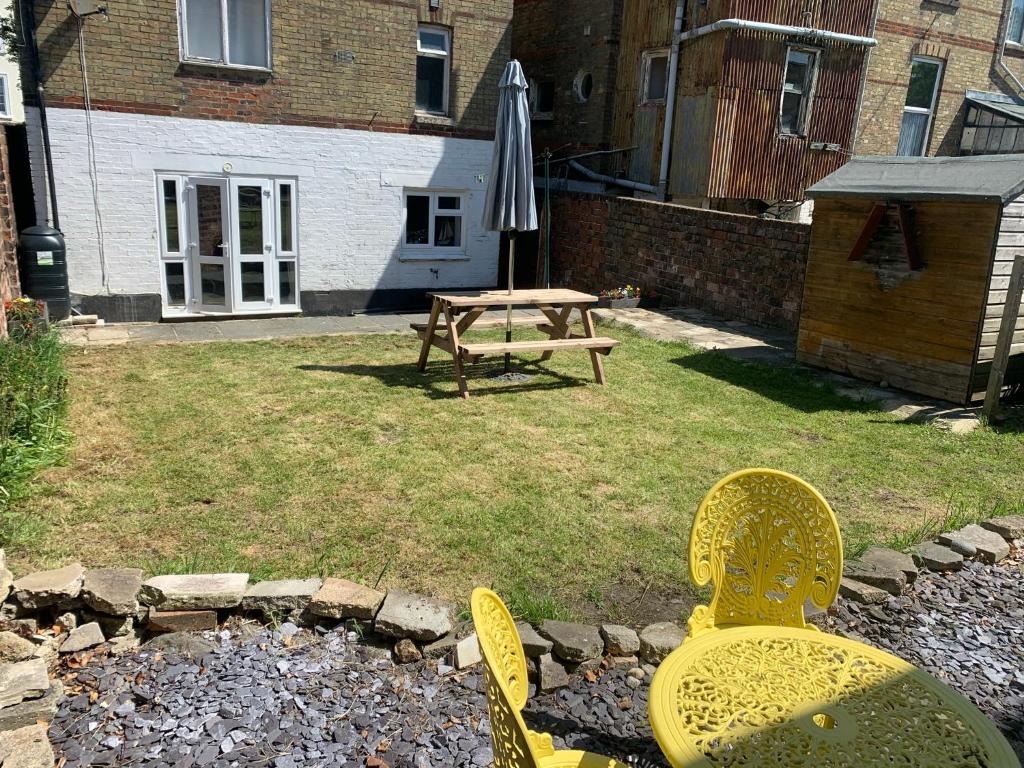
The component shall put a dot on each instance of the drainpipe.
(1001, 66)
(807, 33)
(595, 176)
(670, 104)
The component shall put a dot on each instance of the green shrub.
(33, 403)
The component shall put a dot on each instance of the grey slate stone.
(206, 591)
(550, 674)
(441, 649)
(185, 643)
(1010, 527)
(281, 596)
(891, 560)
(27, 747)
(32, 711)
(22, 680)
(620, 640)
(534, 646)
(14, 648)
(938, 558)
(420, 618)
(85, 636)
(990, 547)
(891, 580)
(342, 599)
(573, 642)
(657, 641)
(860, 592)
(38, 590)
(114, 591)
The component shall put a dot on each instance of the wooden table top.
(498, 298)
(754, 696)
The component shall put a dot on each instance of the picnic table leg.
(453, 338)
(428, 337)
(562, 326)
(595, 356)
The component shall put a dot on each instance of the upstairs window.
(919, 110)
(5, 99)
(433, 69)
(542, 99)
(234, 33)
(1015, 31)
(654, 77)
(797, 91)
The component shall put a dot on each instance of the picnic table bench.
(445, 327)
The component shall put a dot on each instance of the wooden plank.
(453, 339)
(1003, 348)
(485, 349)
(588, 327)
(491, 323)
(428, 335)
(504, 298)
(989, 352)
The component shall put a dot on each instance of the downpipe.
(670, 104)
(595, 176)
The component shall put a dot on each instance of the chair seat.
(576, 759)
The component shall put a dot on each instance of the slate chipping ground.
(287, 698)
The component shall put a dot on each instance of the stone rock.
(891, 560)
(14, 648)
(204, 591)
(550, 674)
(124, 644)
(467, 652)
(404, 614)
(112, 626)
(114, 591)
(620, 640)
(989, 546)
(284, 596)
(860, 592)
(1010, 527)
(68, 621)
(406, 652)
(342, 599)
(22, 680)
(33, 711)
(938, 558)
(6, 577)
(534, 645)
(573, 642)
(441, 649)
(181, 621)
(659, 640)
(891, 580)
(189, 645)
(85, 636)
(38, 590)
(625, 661)
(27, 747)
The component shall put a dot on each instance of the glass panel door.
(253, 216)
(210, 245)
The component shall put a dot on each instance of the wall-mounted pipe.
(805, 33)
(595, 176)
(670, 103)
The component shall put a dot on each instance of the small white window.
(542, 99)
(433, 69)
(919, 109)
(797, 91)
(1015, 30)
(5, 98)
(654, 77)
(233, 33)
(435, 224)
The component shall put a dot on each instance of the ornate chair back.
(767, 542)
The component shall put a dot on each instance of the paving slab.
(534, 646)
(43, 588)
(113, 591)
(195, 591)
(657, 641)
(420, 618)
(936, 557)
(892, 580)
(573, 642)
(22, 680)
(282, 596)
(891, 560)
(27, 747)
(1010, 527)
(32, 711)
(343, 599)
(80, 638)
(974, 540)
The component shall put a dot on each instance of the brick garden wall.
(9, 285)
(737, 267)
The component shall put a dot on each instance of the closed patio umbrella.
(510, 205)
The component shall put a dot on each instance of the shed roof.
(996, 178)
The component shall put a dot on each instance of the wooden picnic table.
(782, 696)
(555, 304)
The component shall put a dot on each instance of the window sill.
(543, 117)
(428, 256)
(226, 68)
(432, 118)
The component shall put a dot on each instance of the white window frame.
(934, 102)
(808, 97)
(1016, 11)
(167, 256)
(5, 86)
(435, 54)
(292, 255)
(429, 251)
(225, 46)
(645, 74)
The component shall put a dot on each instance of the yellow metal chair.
(767, 541)
(516, 746)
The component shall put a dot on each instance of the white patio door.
(209, 244)
(252, 217)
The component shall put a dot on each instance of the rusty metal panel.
(851, 17)
(647, 134)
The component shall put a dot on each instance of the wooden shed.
(908, 272)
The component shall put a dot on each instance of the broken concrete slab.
(343, 599)
(33, 711)
(550, 674)
(14, 648)
(938, 558)
(657, 641)
(573, 642)
(22, 680)
(467, 652)
(891, 560)
(620, 640)
(1010, 527)
(859, 592)
(85, 636)
(205, 591)
(891, 580)
(38, 590)
(420, 618)
(534, 646)
(114, 591)
(27, 747)
(990, 547)
(281, 596)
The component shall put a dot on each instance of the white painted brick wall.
(350, 195)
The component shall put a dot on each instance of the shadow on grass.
(438, 381)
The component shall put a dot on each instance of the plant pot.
(618, 303)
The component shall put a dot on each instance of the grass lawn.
(335, 456)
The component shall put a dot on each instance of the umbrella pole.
(508, 314)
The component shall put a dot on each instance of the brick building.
(938, 65)
(12, 116)
(262, 157)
